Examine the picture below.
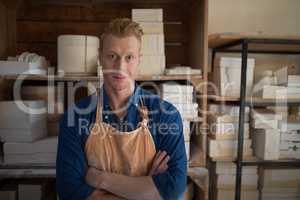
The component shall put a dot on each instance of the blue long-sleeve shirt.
(165, 124)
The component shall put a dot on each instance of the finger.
(163, 166)
(159, 160)
(157, 155)
(163, 169)
(152, 166)
(164, 162)
(154, 162)
(91, 176)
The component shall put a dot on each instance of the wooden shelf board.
(168, 77)
(199, 175)
(255, 100)
(217, 40)
(222, 98)
(232, 159)
(197, 158)
(27, 173)
(279, 162)
(96, 78)
(27, 170)
(269, 102)
(196, 119)
(27, 165)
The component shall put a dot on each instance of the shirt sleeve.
(71, 164)
(172, 183)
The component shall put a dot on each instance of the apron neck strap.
(143, 109)
(99, 106)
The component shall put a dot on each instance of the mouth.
(118, 76)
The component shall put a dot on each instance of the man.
(93, 166)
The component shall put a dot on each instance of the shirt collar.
(133, 100)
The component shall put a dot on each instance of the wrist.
(101, 180)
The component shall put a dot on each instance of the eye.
(111, 56)
(129, 57)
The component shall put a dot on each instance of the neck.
(118, 98)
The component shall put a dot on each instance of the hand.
(160, 163)
(97, 195)
(103, 195)
(94, 177)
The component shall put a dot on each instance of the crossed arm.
(119, 187)
(74, 178)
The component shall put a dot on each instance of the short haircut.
(122, 27)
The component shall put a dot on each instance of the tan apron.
(128, 153)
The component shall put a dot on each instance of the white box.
(45, 145)
(228, 76)
(153, 44)
(264, 124)
(265, 114)
(41, 151)
(290, 145)
(289, 125)
(265, 81)
(290, 136)
(187, 149)
(176, 88)
(266, 144)
(279, 195)
(147, 15)
(276, 193)
(17, 67)
(221, 128)
(12, 113)
(186, 135)
(77, 54)
(224, 194)
(189, 114)
(24, 135)
(227, 131)
(230, 168)
(37, 158)
(186, 130)
(227, 110)
(222, 118)
(286, 75)
(152, 27)
(152, 65)
(280, 178)
(183, 70)
(289, 153)
(228, 181)
(186, 107)
(177, 98)
(269, 91)
(290, 81)
(280, 92)
(228, 148)
(185, 125)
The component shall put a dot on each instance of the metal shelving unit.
(246, 44)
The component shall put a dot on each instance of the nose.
(120, 64)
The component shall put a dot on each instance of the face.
(120, 58)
